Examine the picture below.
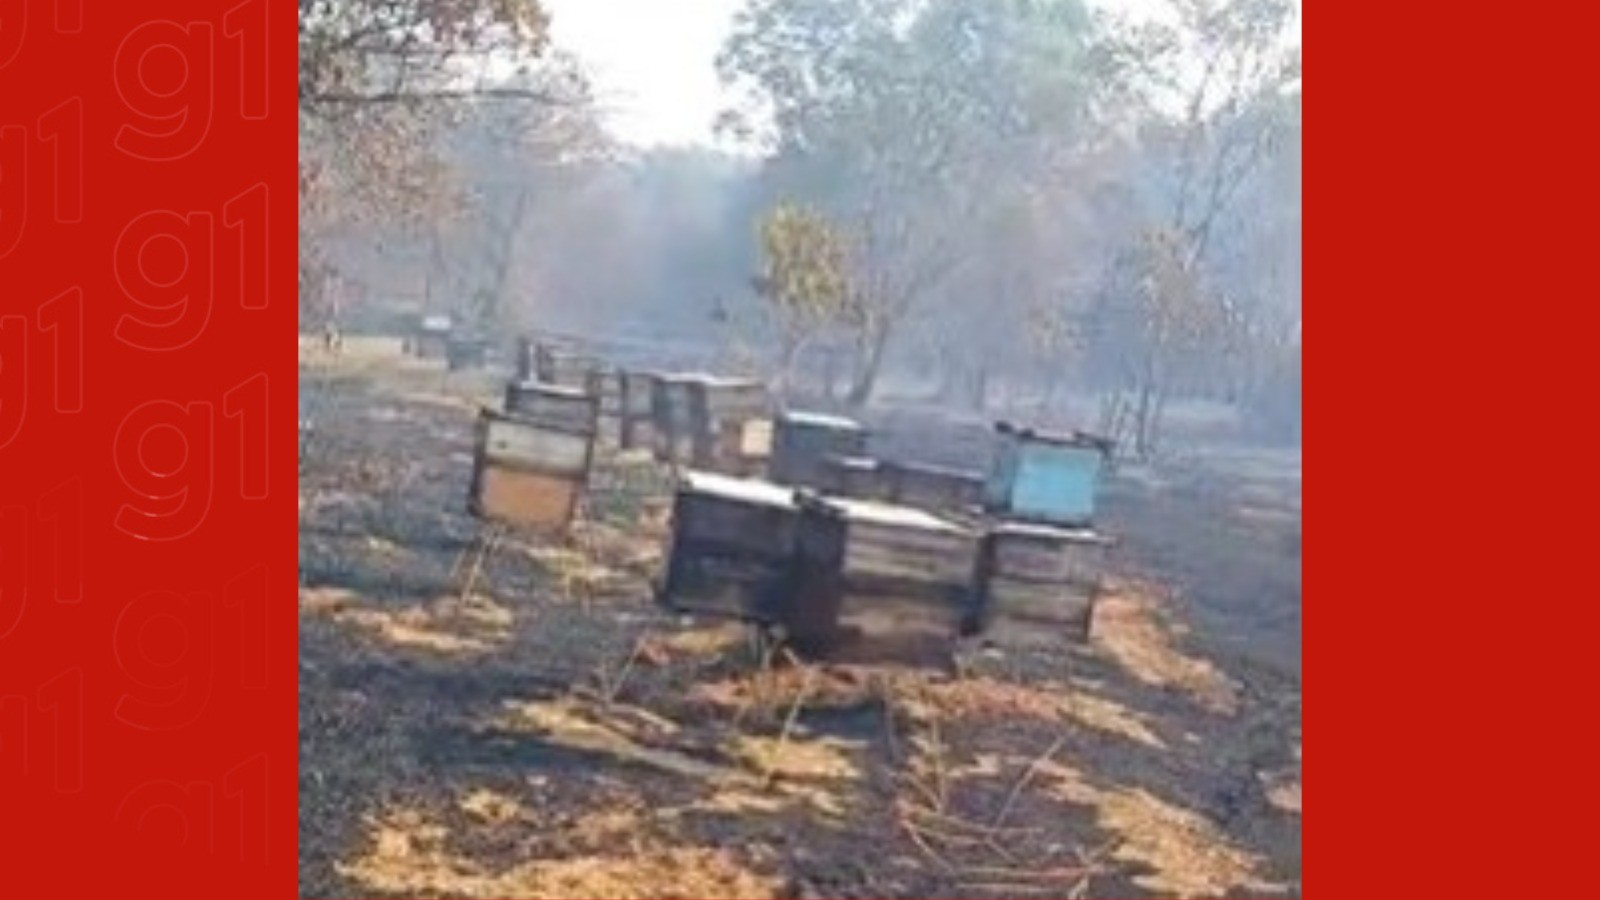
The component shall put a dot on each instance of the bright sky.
(652, 60)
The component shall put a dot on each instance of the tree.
(804, 278)
(901, 119)
(379, 83)
(1214, 130)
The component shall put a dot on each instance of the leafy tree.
(1214, 131)
(804, 277)
(912, 124)
(380, 82)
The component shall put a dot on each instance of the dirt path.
(549, 733)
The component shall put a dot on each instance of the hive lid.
(822, 419)
(877, 513)
(941, 471)
(860, 463)
(1074, 438)
(1052, 532)
(748, 490)
(551, 390)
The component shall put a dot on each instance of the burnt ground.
(523, 722)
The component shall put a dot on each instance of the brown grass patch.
(1186, 854)
(1133, 633)
(409, 853)
(450, 626)
(988, 698)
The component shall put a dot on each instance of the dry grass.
(410, 853)
(886, 781)
(1183, 853)
(492, 807)
(1132, 631)
(1055, 701)
(473, 625)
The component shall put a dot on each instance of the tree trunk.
(867, 373)
(788, 352)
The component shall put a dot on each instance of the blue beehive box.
(1048, 478)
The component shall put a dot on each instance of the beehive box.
(934, 487)
(743, 447)
(637, 390)
(1046, 478)
(463, 352)
(856, 477)
(676, 418)
(733, 417)
(732, 547)
(876, 575)
(556, 365)
(528, 474)
(567, 408)
(802, 441)
(1039, 584)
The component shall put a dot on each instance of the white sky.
(652, 61)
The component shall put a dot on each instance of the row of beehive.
(533, 457)
(836, 542)
(840, 545)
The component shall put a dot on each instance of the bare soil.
(488, 715)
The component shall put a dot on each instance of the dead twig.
(941, 787)
(917, 838)
(488, 538)
(1008, 888)
(788, 725)
(1009, 873)
(1022, 781)
(613, 687)
(763, 671)
(1001, 851)
(886, 697)
(967, 825)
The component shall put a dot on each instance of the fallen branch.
(1022, 781)
(974, 827)
(916, 838)
(487, 540)
(613, 688)
(788, 725)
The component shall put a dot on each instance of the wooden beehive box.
(676, 419)
(636, 401)
(934, 487)
(879, 579)
(1051, 479)
(732, 547)
(743, 447)
(529, 474)
(856, 477)
(567, 408)
(1038, 583)
(557, 365)
(802, 441)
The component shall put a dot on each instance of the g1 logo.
(164, 646)
(174, 484)
(172, 109)
(171, 815)
(176, 304)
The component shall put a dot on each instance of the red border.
(147, 713)
(147, 687)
